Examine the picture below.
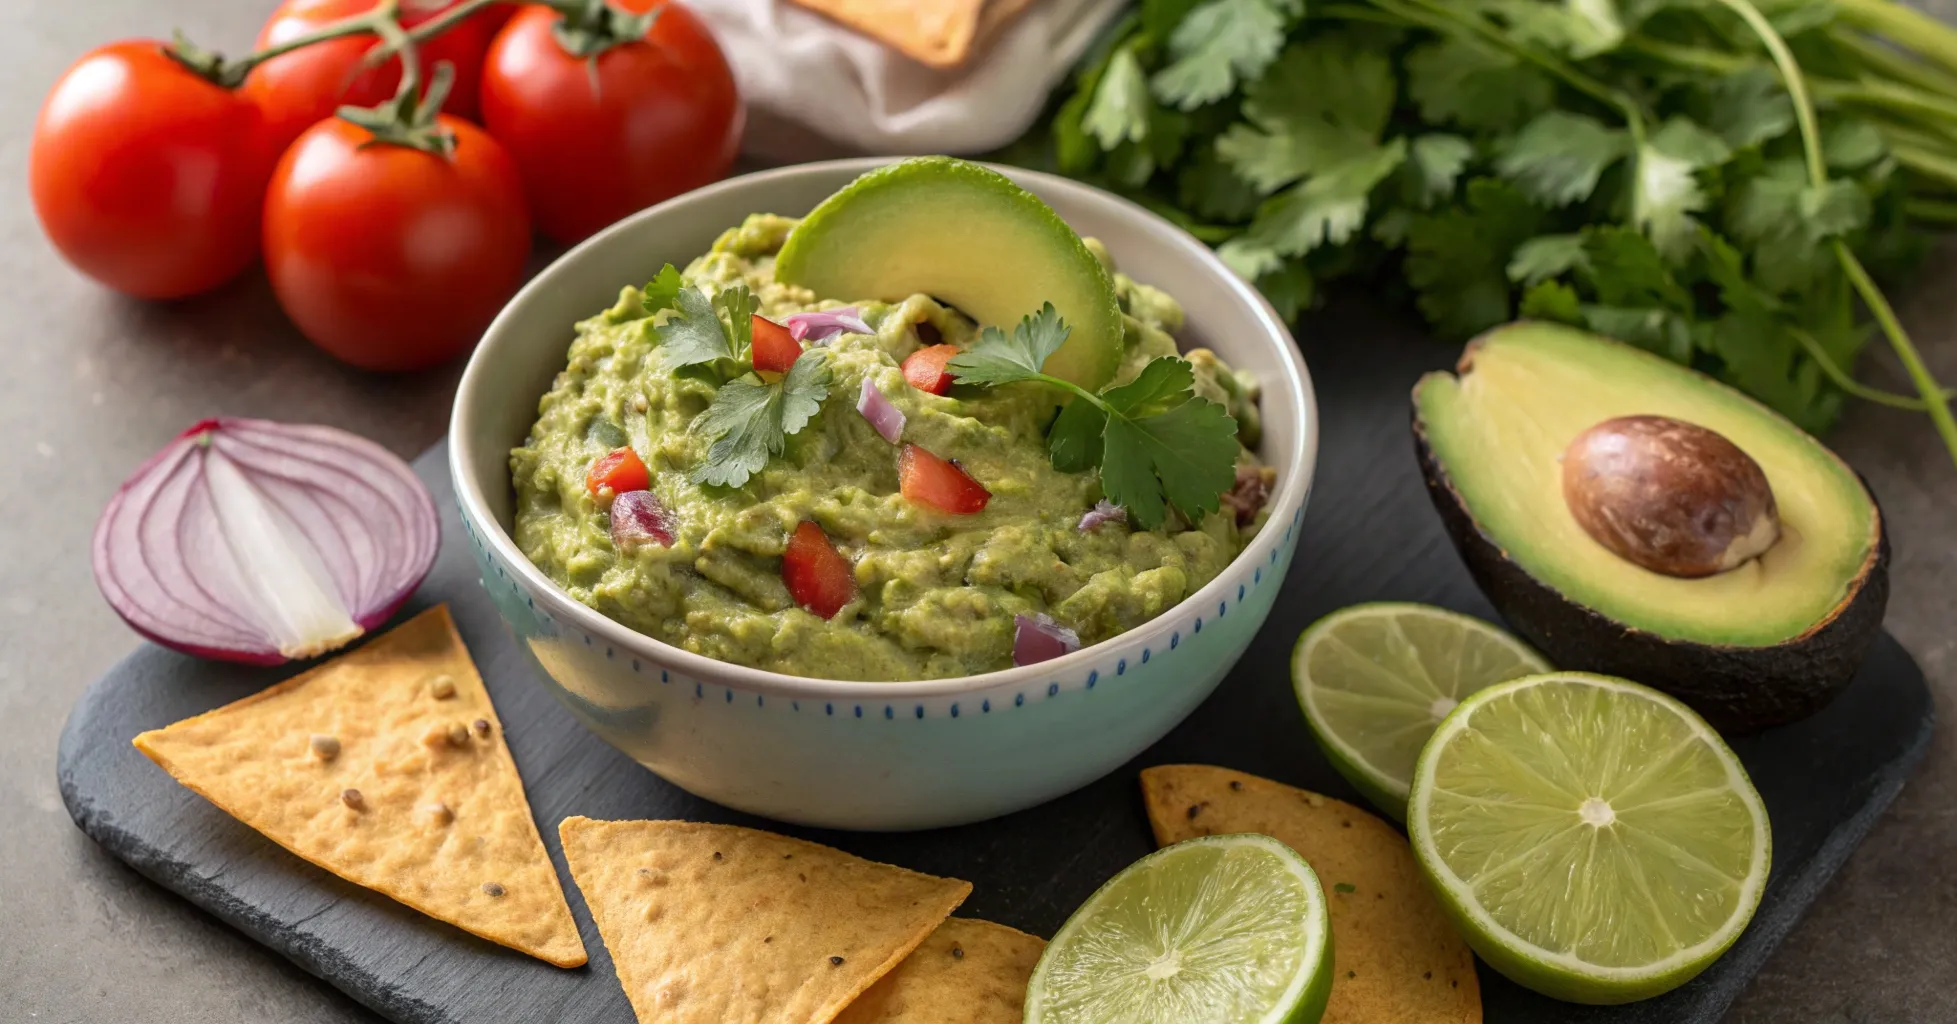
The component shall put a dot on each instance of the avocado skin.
(1737, 689)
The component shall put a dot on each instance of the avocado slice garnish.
(969, 237)
(1757, 619)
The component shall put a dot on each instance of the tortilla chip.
(939, 33)
(967, 972)
(1397, 957)
(714, 924)
(359, 767)
(998, 14)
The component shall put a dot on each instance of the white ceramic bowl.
(872, 755)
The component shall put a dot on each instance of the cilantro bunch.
(750, 418)
(1156, 444)
(1719, 181)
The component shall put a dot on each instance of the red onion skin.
(1038, 638)
(420, 556)
(638, 516)
(873, 404)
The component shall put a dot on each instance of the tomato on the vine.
(626, 124)
(297, 90)
(147, 176)
(392, 257)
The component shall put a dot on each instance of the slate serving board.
(1369, 534)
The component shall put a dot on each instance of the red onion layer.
(882, 414)
(1038, 638)
(1104, 511)
(260, 542)
(638, 518)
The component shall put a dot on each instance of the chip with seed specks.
(967, 972)
(1397, 957)
(713, 924)
(355, 767)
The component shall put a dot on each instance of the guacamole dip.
(935, 594)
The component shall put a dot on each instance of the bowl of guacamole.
(786, 503)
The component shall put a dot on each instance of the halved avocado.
(966, 236)
(1768, 641)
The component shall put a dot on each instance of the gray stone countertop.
(95, 383)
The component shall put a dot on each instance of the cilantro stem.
(1904, 26)
(1935, 400)
(1942, 211)
(1939, 167)
(1895, 64)
(1849, 384)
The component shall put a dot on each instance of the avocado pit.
(1669, 496)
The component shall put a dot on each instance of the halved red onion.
(885, 417)
(261, 542)
(1037, 638)
(1104, 511)
(639, 518)
(819, 327)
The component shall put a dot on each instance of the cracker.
(714, 924)
(1397, 956)
(939, 33)
(967, 972)
(360, 767)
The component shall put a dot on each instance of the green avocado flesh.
(970, 238)
(1526, 391)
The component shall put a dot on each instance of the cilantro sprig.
(751, 418)
(1671, 174)
(1157, 445)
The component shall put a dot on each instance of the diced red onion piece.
(885, 417)
(819, 327)
(261, 542)
(1038, 638)
(638, 517)
(1104, 511)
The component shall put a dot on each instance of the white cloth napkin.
(815, 88)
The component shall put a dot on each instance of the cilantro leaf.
(1457, 255)
(1163, 444)
(1667, 190)
(1785, 222)
(1321, 106)
(1211, 189)
(1327, 207)
(1578, 28)
(1455, 81)
(663, 291)
(1625, 269)
(1544, 257)
(1290, 288)
(1119, 110)
(1074, 440)
(999, 358)
(738, 305)
(694, 334)
(1250, 259)
(1557, 158)
(1553, 300)
(1850, 144)
(751, 420)
(1749, 107)
(1220, 44)
(1438, 159)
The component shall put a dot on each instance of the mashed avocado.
(937, 593)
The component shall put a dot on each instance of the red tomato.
(599, 138)
(819, 578)
(929, 480)
(299, 89)
(621, 470)
(774, 349)
(925, 368)
(146, 176)
(389, 257)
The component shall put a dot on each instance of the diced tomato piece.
(819, 578)
(774, 349)
(618, 469)
(925, 368)
(929, 480)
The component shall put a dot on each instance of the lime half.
(1375, 679)
(1217, 930)
(1593, 839)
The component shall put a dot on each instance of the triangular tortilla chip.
(967, 972)
(714, 924)
(1397, 957)
(364, 768)
(939, 33)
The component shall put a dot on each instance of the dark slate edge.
(74, 760)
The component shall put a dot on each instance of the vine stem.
(1935, 401)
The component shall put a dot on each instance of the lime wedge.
(1217, 930)
(1593, 839)
(1375, 679)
